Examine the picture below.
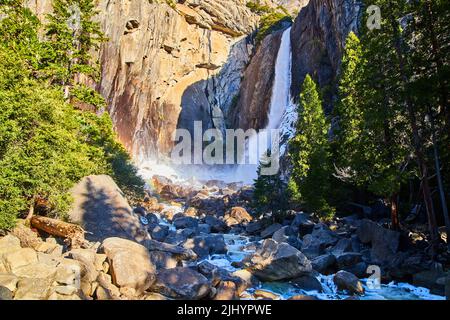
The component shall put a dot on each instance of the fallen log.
(72, 233)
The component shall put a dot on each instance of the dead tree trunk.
(72, 233)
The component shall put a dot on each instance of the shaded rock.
(254, 227)
(205, 245)
(277, 261)
(185, 222)
(5, 293)
(324, 263)
(101, 209)
(130, 263)
(430, 279)
(181, 283)
(385, 243)
(163, 260)
(347, 281)
(152, 219)
(158, 232)
(359, 269)
(308, 283)
(269, 231)
(303, 224)
(343, 245)
(348, 259)
(265, 295)
(204, 228)
(178, 252)
(216, 224)
(304, 298)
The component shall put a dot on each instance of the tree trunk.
(71, 232)
(394, 212)
(432, 223)
(440, 182)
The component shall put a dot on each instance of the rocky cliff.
(318, 39)
(166, 66)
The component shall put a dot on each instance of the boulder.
(185, 222)
(158, 232)
(343, 245)
(130, 263)
(385, 243)
(9, 243)
(265, 295)
(324, 263)
(33, 289)
(277, 261)
(226, 291)
(216, 224)
(308, 283)
(101, 209)
(270, 230)
(9, 281)
(205, 245)
(237, 215)
(5, 293)
(347, 281)
(191, 212)
(163, 260)
(254, 227)
(348, 259)
(181, 283)
(13, 260)
(303, 298)
(303, 224)
(178, 252)
(216, 275)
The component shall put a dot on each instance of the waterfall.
(280, 103)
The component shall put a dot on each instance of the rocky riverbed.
(196, 240)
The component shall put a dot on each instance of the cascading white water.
(280, 101)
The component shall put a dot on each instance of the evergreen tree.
(269, 192)
(73, 35)
(310, 153)
(46, 145)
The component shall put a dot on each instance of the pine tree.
(310, 153)
(73, 35)
(269, 192)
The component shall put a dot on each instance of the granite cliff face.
(166, 66)
(318, 40)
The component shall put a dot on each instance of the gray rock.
(204, 228)
(254, 227)
(347, 281)
(308, 283)
(5, 294)
(384, 242)
(216, 224)
(101, 209)
(343, 245)
(178, 252)
(323, 263)
(348, 259)
(158, 232)
(277, 261)
(33, 289)
(205, 245)
(181, 283)
(130, 263)
(303, 224)
(185, 222)
(269, 231)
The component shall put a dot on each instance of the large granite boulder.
(277, 261)
(385, 243)
(101, 209)
(181, 283)
(130, 262)
(347, 281)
